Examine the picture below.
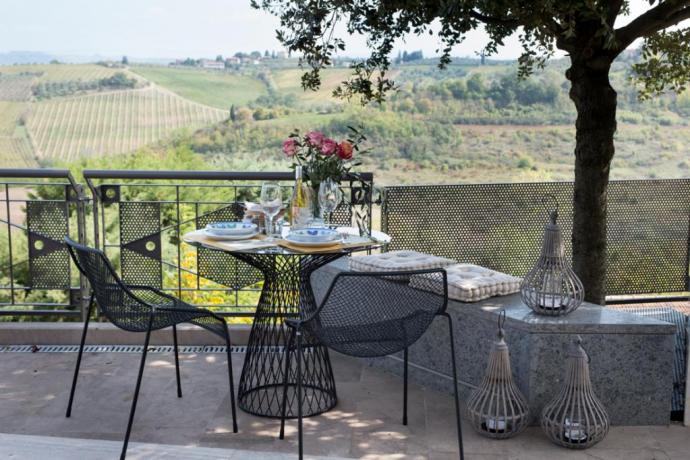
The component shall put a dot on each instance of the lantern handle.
(501, 323)
(578, 341)
(553, 212)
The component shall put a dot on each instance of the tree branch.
(660, 17)
(492, 20)
(613, 10)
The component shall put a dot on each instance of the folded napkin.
(472, 283)
(377, 236)
(398, 260)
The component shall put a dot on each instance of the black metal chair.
(372, 315)
(139, 309)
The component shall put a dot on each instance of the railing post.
(82, 199)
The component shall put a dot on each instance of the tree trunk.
(595, 101)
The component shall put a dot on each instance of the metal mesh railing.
(142, 215)
(501, 226)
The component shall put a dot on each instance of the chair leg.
(286, 379)
(232, 381)
(405, 389)
(136, 390)
(299, 394)
(81, 351)
(455, 385)
(177, 362)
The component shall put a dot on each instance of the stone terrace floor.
(366, 423)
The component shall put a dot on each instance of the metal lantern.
(576, 418)
(497, 409)
(551, 287)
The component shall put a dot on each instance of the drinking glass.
(329, 198)
(271, 202)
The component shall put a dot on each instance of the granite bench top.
(587, 319)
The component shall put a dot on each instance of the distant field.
(16, 152)
(9, 114)
(15, 87)
(111, 123)
(217, 89)
(62, 71)
(288, 82)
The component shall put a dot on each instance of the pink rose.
(329, 147)
(290, 147)
(345, 150)
(315, 138)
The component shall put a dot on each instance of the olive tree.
(589, 31)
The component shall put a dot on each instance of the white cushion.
(472, 283)
(397, 260)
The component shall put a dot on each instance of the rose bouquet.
(322, 157)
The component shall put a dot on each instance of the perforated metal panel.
(140, 239)
(48, 224)
(220, 267)
(500, 226)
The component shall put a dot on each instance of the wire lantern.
(552, 287)
(497, 409)
(576, 418)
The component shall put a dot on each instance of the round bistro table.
(286, 294)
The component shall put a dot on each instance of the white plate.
(314, 235)
(230, 228)
(313, 244)
(213, 236)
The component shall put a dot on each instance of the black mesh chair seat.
(168, 311)
(381, 338)
(371, 315)
(139, 309)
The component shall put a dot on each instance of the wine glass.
(271, 202)
(329, 198)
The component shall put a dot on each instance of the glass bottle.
(300, 207)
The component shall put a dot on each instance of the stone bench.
(631, 356)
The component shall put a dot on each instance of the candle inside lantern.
(496, 425)
(574, 431)
(550, 301)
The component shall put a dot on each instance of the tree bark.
(595, 101)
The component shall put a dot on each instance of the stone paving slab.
(366, 423)
(13, 446)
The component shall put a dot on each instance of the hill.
(212, 88)
(114, 122)
(468, 123)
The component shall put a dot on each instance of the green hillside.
(468, 123)
(213, 88)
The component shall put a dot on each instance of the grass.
(111, 123)
(213, 88)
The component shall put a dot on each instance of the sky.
(172, 29)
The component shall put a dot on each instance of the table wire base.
(286, 290)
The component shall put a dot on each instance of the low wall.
(631, 356)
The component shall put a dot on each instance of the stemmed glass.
(329, 198)
(271, 202)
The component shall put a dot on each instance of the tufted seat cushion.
(472, 283)
(397, 261)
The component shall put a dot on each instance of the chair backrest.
(377, 314)
(113, 297)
